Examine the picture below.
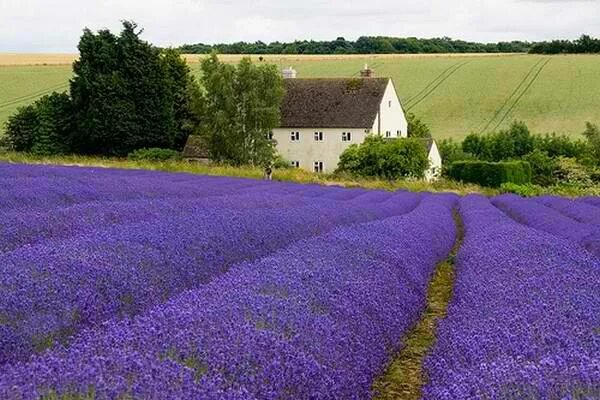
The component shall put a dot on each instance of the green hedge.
(154, 154)
(491, 174)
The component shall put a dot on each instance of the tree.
(121, 94)
(451, 151)
(417, 128)
(186, 96)
(592, 135)
(242, 105)
(21, 128)
(543, 167)
(515, 142)
(44, 127)
(55, 125)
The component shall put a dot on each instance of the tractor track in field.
(430, 83)
(33, 96)
(512, 100)
(518, 99)
(433, 85)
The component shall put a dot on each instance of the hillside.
(454, 94)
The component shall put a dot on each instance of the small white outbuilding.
(321, 117)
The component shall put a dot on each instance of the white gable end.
(390, 121)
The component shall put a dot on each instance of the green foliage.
(585, 44)
(570, 172)
(525, 190)
(384, 158)
(281, 163)
(154, 154)
(127, 95)
(242, 105)
(364, 45)
(21, 128)
(515, 142)
(592, 135)
(543, 167)
(560, 146)
(491, 174)
(44, 127)
(416, 127)
(187, 97)
(451, 151)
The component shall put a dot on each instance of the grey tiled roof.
(332, 102)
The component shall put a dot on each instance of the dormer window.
(318, 136)
(295, 136)
(346, 137)
(388, 134)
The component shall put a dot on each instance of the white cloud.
(55, 25)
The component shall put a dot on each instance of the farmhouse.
(321, 117)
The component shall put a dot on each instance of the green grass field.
(455, 95)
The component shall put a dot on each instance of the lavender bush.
(538, 216)
(575, 209)
(524, 317)
(318, 319)
(94, 261)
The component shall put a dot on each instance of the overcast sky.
(55, 25)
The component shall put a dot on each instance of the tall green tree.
(186, 96)
(241, 108)
(592, 135)
(121, 94)
(44, 127)
(416, 127)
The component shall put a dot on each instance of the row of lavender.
(574, 220)
(317, 319)
(72, 267)
(523, 322)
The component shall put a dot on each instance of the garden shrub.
(491, 174)
(527, 190)
(154, 154)
(385, 158)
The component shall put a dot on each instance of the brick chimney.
(367, 72)
(289, 73)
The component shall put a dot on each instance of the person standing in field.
(269, 172)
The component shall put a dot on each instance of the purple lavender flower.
(523, 320)
(319, 318)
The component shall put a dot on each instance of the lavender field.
(129, 284)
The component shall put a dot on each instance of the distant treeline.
(585, 44)
(364, 45)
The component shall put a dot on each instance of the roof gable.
(332, 102)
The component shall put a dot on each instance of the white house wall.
(435, 163)
(306, 150)
(391, 117)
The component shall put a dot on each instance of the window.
(270, 135)
(295, 164)
(388, 134)
(346, 137)
(318, 136)
(390, 104)
(398, 133)
(295, 136)
(318, 167)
